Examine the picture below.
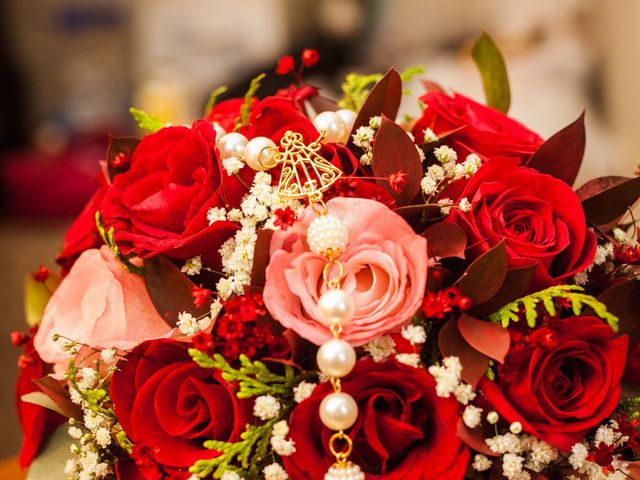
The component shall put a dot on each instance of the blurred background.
(69, 70)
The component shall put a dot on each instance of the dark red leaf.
(445, 240)
(323, 104)
(487, 337)
(611, 204)
(394, 151)
(119, 154)
(431, 86)
(561, 155)
(598, 185)
(170, 290)
(474, 438)
(515, 285)
(485, 276)
(383, 99)
(623, 300)
(261, 256)
(474, 363)
(56, 392)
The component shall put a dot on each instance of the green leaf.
(146, 121)
(108, 237)
(493, 70)
(36, 297)
(575, 294)
(243, 119)
(213, 98)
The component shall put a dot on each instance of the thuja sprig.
(249, 451)
(572, 293)
(253, 378)
(108, 237)
(243, 118)
(213, 98)
(146, 121)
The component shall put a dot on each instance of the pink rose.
(98, 304)
(385, 267)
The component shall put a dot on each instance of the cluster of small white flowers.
(363, 138)
(472, 416)
(193, 266)
(380, 348)
(410, 359)
(415, 334)
(481, 463)
(429, 136)
(440, 175)
(274, 472)
(190, 325)
(603, 254)
(521, 453)
(266, 407)
(256, 210)
(91, 442)
(228, 475)
(280, 444)
(232, 165)
(302, 391)
(216, 214)
(448, 380)
(580, 463)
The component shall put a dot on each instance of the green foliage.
(253, 378)
(493, 71)
(546, 298)
(108, 237)
(357, 86)
(146, 121)
(213, 98)
(123, 441)
(251, 450)
(243, 119)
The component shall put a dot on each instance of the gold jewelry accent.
(343, 454)
(305, 173)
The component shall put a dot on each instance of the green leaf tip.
(146, 121)
(490, 63)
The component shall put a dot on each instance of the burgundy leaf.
(623, 300)
(383, 99)
(394, 151)
(170, 290)
(611, 204)
(486, 337)
(561, 155)
(485, 276)
(119, 154)
(445, 240)
(261, 256)
(474, 363)
(515, 285)
(57, 393)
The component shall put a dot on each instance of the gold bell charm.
(343, 469)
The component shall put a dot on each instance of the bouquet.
(294, 288)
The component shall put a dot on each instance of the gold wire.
(335, 281)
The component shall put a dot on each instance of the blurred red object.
(35, 183)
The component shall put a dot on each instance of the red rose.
(540, 218)
(560, 389)
(169, 406)
(483, 130)
(226, 113)
(404, 430)
(160, 204)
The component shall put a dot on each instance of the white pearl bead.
(220, 132)
(232, 145)
(260, 153)
(349, 118)
(336, 358)
(327, 234)
(350, 471)
(338, 411)
(332, 124)
(335, 306)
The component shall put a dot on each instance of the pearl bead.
(336, 306)
(220, 132)
(349, 471)
(338, 411)
(336, 358)
(332, 124)
(349, 118)
(327, 234)
(260, 153)
(232, 145)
